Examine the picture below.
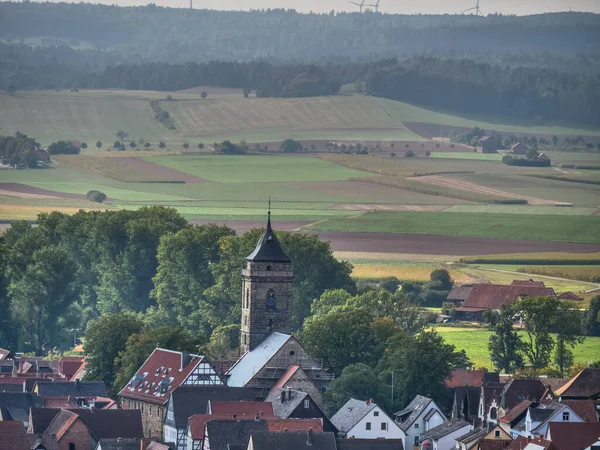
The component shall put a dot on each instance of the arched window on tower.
(493, 414)
(247, 297)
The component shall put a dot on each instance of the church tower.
(267, 292)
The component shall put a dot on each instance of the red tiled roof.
(80, 372)
(464, 377)
(13, 435)
(295, 424)
(531, 283)
(241, 408)
(585, 384)
(60, 402)
(69, 365)
(161, 365)
(569, 296)
(573, 436)
(586, 409)
(493, 296)
(286, 377)
(554, 383)
(459, 293)
(515, 412)
(61, 423)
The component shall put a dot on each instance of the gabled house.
(486, 297)
(535, 422)
(470, 441)
(517, 390)
(569, 296)
(16, 406)
(421, 414)
(489, 402)
(369, 444)
(365, 420)
(518, 149)
(445, 436)
(584, 385)
(293, 404)
(588, 410)
(487, 144)
(83, 427)
(515, 415)
(230, 434)
(465, 405)
(495, 439)
(150, 389)
(292, 440)
(458, 294)
(186, 400)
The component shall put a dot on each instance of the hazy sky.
(391, 6)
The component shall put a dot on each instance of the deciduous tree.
(504, 345)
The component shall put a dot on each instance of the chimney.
(309, 437)
(143, 444)
(185, 359)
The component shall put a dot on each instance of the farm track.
(466, 186)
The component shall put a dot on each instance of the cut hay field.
(90, 116)
(364, 269)
(467, 155)
(475, 340)
(503, 226)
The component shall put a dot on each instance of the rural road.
(421, 243)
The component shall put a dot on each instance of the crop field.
(523, 209)
(467, 155)
(475, 340)
(506, 226)
(90, 116)
(404, 271)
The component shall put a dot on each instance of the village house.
(574, 436)
(359, 419)
(421, 414)
(151, 387)
(491, 297)
(518, 149)
(82, 428)
(536, 420)
(584, 385)
(270, 354)
(369, 444)
(293, 404)
(293, 440)
(16, 405)
(444, 436)
(495, 439)
(185, 401)
(13, 436)
(468, 389)
(487, 144)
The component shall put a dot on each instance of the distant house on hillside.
(485, 297)
(569, 296)
(518, 149)
(487, 144)
(530, 283)
(42, 155)
(458, 295)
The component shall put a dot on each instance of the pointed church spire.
(268, 247)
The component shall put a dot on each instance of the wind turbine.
(474, 8)
(376, 6)
(360, 5)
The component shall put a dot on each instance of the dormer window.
(496, 433)
(566, 416)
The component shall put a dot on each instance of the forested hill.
(153, 33)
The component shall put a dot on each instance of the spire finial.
(269, 205)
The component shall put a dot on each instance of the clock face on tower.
(271, 302)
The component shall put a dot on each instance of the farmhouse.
(359, 419)
(518, 149)
(486, 297)
(487, 144)
(569, 296)
(420, 415)
(446, 435)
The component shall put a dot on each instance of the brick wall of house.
(79, 435)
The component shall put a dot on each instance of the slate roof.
(190, 400)
(268, 247)
(585, 384)
(351, 413)
(71, 388)
(13, 435)
(16, 406)
(240, 407)
(473, 435)
(254, 360)
(292, 440)
(449, 426)
(554, 383)
(588, 410)
(515, 391)
(197, 423)
(9, 387)
(369, 444)
(223, 433)
(573, 436)
(293, 399)
(120, 444)
(408, 415)
(102, 423)
(493, 296)
(459, 293)
(161, 366)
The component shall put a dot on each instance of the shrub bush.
(96, 196)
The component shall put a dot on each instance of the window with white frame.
(566, 416)
(306, 404)
(368, 426)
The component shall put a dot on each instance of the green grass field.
(467, 155)
(523, 209)
(507, 226)
(474, 341)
